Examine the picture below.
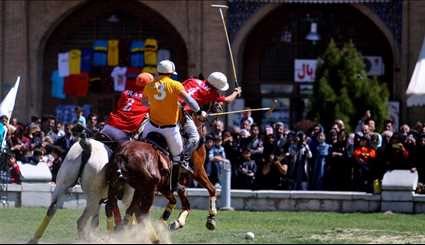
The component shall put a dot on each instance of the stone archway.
(82, 19)
(260, 37)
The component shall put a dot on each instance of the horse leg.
(95, 219)
(201, 176)
(133, 209)
(59, 191)
(181, 221)
(90, 211)
(143, 216)
(170, 206)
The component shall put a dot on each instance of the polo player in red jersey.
(204, 92)
(129, 113)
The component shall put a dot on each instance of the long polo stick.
(220, 9)
(241, 111)
(275, 104)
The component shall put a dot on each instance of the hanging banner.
(305, 70)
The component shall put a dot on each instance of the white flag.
(8, 103)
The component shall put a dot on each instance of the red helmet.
(143, 79)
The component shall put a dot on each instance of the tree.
(343, 90)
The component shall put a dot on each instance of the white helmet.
(166, 67)
(219, 81)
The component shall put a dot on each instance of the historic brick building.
(267, 37)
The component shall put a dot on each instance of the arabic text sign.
(305, 70)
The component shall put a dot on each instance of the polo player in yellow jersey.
(163, 97)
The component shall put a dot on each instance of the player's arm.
(236, 93)
(194, 106)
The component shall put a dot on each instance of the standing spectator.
(340, 126)
(340, 168)
(300, 154)
(14, 171)
(247, 120)
(404, 132)
(53, 130)
(36, 137)
(217, 158)
(93, 124)
(389, 126)
(247, 170)
(67, 140)
(246, 124)
(410, 145)
(80, 117)
(217, 128)
(272, 172)
(3, 131)
(282, 133)
(19, 144)
(256, 145)
(386, 137)
(363, 156)
(56, 154)
(321, 153)
(232, 150)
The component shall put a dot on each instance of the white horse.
(93, 182)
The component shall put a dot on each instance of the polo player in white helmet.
(204, 93)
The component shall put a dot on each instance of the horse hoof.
(211, 224)
(174, 226)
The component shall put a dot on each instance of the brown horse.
(147, 169)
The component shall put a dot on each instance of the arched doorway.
(125, 21)
(279, 39)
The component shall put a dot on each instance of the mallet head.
(219, 6)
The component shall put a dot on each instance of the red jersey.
(130, 112)
(202, 92)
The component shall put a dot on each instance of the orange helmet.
(143, 79)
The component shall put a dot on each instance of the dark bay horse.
(147, 169)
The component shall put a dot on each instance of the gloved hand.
(202, 115)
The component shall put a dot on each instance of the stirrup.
(185, 166)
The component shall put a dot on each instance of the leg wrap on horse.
(167, 212)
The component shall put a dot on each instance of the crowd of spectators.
(42, 140)
(275, 157)
(268, 157)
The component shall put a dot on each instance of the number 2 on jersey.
(130, 102)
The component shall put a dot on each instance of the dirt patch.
(369, 236)
(136, 234)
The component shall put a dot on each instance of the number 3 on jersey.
(161, 95)
(130, 102)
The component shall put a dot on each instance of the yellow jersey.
(163, 100)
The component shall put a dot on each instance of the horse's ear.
(164, 162)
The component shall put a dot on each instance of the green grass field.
(18, 225)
